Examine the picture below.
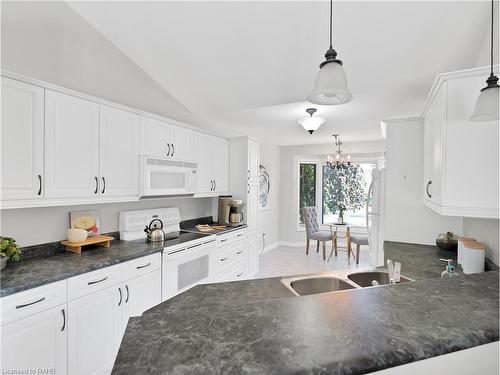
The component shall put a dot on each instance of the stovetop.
(177, 238)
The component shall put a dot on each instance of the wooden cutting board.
(76, 247)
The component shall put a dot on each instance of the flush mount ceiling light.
(311, 123)
(330, 87)
(487, 102)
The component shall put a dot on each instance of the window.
(315, 186)
(307, 187)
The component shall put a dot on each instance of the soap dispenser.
(450, 269)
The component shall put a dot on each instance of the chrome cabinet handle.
(96, 185)
(240, 274)
(168, 151)
(31, 303)
(223, 259)
(64, 320)
(215, 184)
(144, 266)
(248, 189)
(173, 149)
(239, 252)
(120, 302)
(427, 189)
(223, 240)
(248, 177)
(39, 185)
(239, 235)
(97, 281)
(103, 185)
(128, 293)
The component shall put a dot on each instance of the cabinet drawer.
(141, 266)
(228, 238)
(94, 281)
(237, 272)
(23, 304)
(228, 254)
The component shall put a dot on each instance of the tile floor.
(284, 261)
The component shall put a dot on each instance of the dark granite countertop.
(190, 225)
(36, 272)
(257, 326)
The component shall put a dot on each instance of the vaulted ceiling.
(249, 66)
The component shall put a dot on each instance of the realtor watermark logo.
(28, 371)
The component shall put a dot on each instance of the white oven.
(186, 265)
(166, 177)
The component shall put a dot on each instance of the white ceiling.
(248, 66)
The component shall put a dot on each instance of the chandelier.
(338, 160)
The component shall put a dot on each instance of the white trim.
(397, 120)
(479, 212)
(440, 78)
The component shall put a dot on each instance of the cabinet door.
(94, 331)
(253, 207)
(433, 147)
(220, 149)
(204, 157)
(36, 342)
(71, 146)
(141, 294)
(119, 152)
(182, 143)
(154, 135)
(252, 255)
(21, 140)
(253, 160)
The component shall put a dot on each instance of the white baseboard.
(270, 247)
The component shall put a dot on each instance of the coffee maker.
(230, 211)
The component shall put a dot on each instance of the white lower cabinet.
(252, 255)
(95, 328)
(228, 260)
(141, 294)
(36, 342)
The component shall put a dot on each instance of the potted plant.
(8, 251)
(447, 241)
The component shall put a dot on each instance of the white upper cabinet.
(119, 152)
(220, 149)
(21, 140)
(162, 139)
(253, 160)
(182, 143)
(212, 156)
(71, 146)
(461, 167)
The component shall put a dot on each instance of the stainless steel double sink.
(338, 281)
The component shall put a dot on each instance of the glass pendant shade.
(486, 105)
(330, 87)
(311, 123)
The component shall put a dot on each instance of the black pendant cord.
(492, 80)
(331, 23)
(492, 12)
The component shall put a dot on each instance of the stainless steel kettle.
(155, 231)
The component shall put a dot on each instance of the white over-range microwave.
(160, 177)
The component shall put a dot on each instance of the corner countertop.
(36, 272)
(257, 326)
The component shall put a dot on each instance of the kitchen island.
(259, 327)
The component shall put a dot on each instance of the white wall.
(483, 57)
(33, 226)
(485, 231)
(406, 217)
(51, 42)
(288, 191)
(269, 220)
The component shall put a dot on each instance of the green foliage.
(307, 193)
(343, 189)
(9, 249)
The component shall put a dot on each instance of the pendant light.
(330, 87)
(311, 123)
(487, 102)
